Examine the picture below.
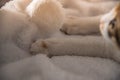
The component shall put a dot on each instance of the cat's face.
(110, 26)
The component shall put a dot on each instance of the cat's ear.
(117, 9)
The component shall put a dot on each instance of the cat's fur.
(110, 26)
(83, 46)
(25, 21)
(83, 17)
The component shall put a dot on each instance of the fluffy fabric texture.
(41, 67)
(16, 63)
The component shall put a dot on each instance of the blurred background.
(2, 2)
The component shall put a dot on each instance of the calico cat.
(86, 46)
(110, 26)
(83, 17)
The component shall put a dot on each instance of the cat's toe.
(39, 46)
(66, 30)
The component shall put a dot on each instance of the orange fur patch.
(117, 10)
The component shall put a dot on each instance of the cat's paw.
(67, 30)
(76, 26)
(73, 29)
(40, 46)
(70, 29)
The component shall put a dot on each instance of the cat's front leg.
(81, 25)
(78, 46)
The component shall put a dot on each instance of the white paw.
(39, 46)
(67, 29)
(72, 29)
(71, 26)
(74, 26)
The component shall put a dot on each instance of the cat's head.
(110, 26)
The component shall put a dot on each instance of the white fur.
(17, 31)
(19, 27)
(83, 17)
(105, 20)
(48, 15)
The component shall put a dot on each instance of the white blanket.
(40, 67)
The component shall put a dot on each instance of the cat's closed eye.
(112, 23)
